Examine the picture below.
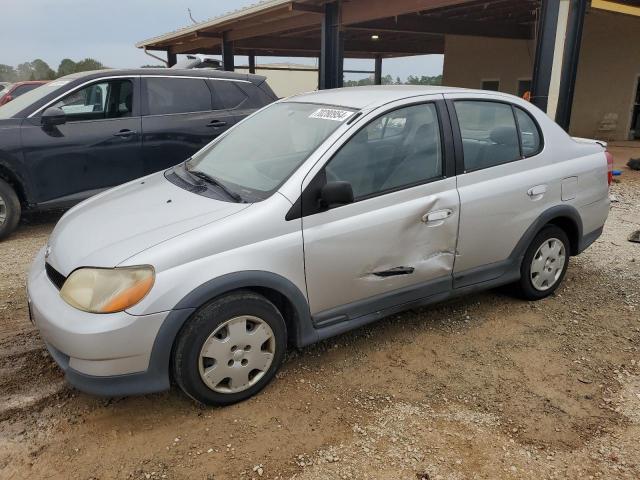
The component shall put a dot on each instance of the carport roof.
(403, 27)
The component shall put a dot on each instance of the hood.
(105, 230)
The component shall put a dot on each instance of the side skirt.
(329, 326)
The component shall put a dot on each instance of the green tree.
(41, 70)
(66, 67)
(89, 64)
(7, 73)
(424, 80)
(24, 71)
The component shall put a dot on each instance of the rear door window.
(177, 95)
(227, 94)
(489, 133)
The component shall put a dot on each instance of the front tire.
(230, 349)
(9, 209)
(545, 264)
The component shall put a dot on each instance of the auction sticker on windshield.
(331, 114)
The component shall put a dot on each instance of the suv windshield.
(258, 155)
(18, 104)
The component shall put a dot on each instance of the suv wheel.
(230, 349)
(9, 209)
(545, 263)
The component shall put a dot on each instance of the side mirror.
(53, 116)
(335, 194)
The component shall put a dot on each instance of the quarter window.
(228, 94)
(399, 149)
(177, 95)
(529, 133)
(98, 101)
(489, 133)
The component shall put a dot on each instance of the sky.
(107, 31)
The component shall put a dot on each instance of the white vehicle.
(316, 215)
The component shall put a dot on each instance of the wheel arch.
(9, 176)
(565, 217)
(282, 292)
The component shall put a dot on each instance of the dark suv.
(84, 133)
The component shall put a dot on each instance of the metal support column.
(575, 24)
(546, 40)
(331, 48)
(377, 76)
(252, 62)
(557, 55)
(228, 62)
(172, 59)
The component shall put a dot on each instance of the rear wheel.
(9, 209)
(545, 264)
(230, 349)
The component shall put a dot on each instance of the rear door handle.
(437, 216)
(217, 124)
(125, 133)
(537, 191)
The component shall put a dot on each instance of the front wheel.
(545, 264)
(230, 349)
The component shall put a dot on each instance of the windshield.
(18, 104)
(258, 155)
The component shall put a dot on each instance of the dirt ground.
(481, 387)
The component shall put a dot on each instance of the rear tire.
(545, 264)
(9, 209)
(230, 349)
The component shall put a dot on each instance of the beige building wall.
(286, 83)
(607, 73)
(470, 60)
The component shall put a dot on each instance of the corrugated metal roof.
(259, 7)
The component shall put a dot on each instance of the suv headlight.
(107, 290)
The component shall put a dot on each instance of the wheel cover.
(237, 354)
(3, 211)
(547, 264)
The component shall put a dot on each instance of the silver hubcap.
(3, 211)
(547, 264)
(237, 354)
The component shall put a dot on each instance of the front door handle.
(437, 216)
(537, 192)
(125, 133)
(395, 272)
(217, 124)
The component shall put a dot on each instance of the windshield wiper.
(214, 181)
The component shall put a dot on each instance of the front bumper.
(104, 354)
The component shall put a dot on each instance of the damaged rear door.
(396, 242)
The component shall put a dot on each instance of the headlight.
(107, 290)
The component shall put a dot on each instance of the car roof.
(30, 82)
(376, 95)
(168, 72)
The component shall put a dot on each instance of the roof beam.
(305, 7)
(276, 26)
(419, 47)
(357, 11)
(426, 25)
(196, 45)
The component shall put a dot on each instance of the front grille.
(55, 276)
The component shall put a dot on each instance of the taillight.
(5, 99)
(609, 167)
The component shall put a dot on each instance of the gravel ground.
(481, 387)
